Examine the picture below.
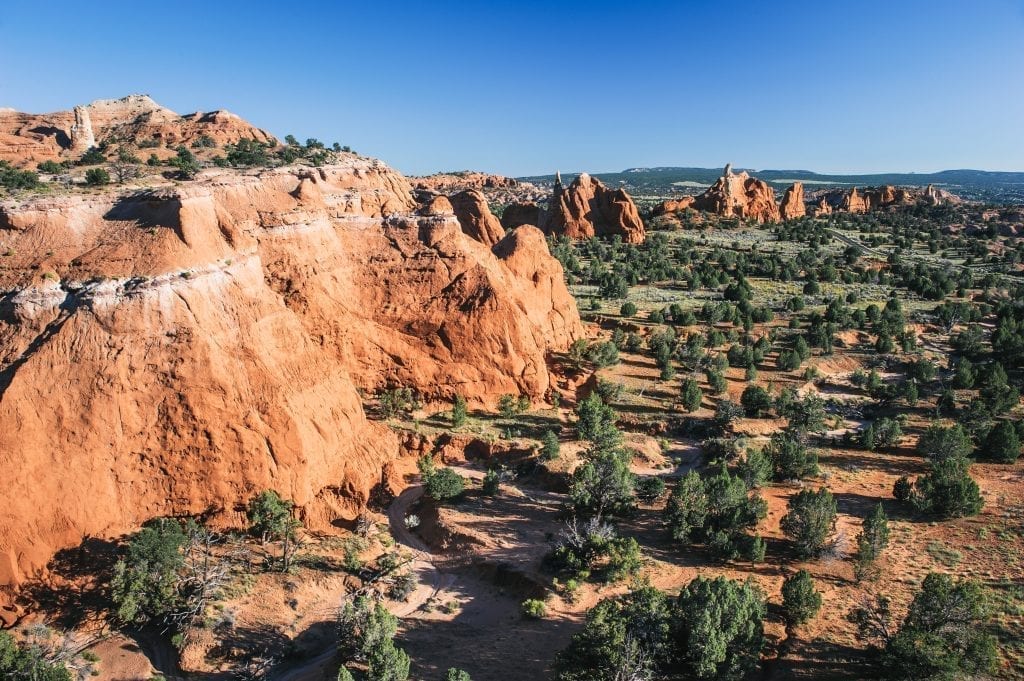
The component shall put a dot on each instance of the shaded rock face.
(673, 205)
(516, 214)
(792, 205)
(740, 195)
(28, 139)
(587, 208)
(196, 345)
(475, 217)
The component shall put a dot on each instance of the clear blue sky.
(528, 87)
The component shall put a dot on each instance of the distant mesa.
(586, 208)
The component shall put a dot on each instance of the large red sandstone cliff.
(587, 208)
(178, 350)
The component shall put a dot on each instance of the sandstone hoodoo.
(175, 351)
(792, 205)
(587, 208)
(740, 195)
(136, 120)
(476, 218)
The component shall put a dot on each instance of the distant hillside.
(976, 185)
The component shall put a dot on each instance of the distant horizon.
(524, 88)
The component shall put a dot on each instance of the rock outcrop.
(587, 208)
(447, 183)
(855, 200)
(178, 350)
(792, 206)
(516, 214)
(476, 218)
(673, 205)
(741, 196)
(136, 120)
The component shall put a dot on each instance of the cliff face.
(179, 350)
(587, 208)
(28, 139)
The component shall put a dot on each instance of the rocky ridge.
(136, 120)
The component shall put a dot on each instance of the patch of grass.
(943, 554)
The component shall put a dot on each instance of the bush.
(791, 458)
(756, 401)
(1002, 443)
(810, 521)
(595, 422)
(396, 402)
(50, 167)
(649, 488)
(457, 675)
(903, 489)
(444, 484)
(800, 602)
(459, 411)
(29, 662)
(550, 448)
(948, 491)
(945, 634)
(692, 395)
(534, 608)
(145, 582)
(755, 469)
(628, 309)
(720, 632)
(491, 483)
(871, 541)
(687, 507)
(95, 177)
(92, 157)
(186, 163)
(603, 485)
(938, 442)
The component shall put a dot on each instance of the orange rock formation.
(28, 139)
(587, 208)
(792, 205)
(740, 195)
(178, 350)
(476, 217)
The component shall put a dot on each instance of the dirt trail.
(431, 581)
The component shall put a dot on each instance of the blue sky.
(528, 87)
